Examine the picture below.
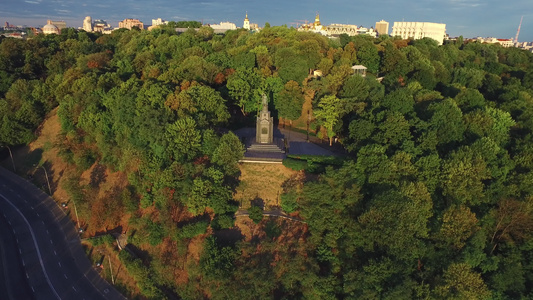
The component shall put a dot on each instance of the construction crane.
(518, 31)
(298, 23)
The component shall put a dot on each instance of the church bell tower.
(246, 24)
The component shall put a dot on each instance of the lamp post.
(308, 120)
(76, 211)
(12, 161)
(111, 270)
(47, 181)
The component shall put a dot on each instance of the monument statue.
(265, 124)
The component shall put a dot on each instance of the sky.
(469, 18)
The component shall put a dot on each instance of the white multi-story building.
(492, 40)
(159, 21)
(224, 26)
(88, 24)
(419, 30)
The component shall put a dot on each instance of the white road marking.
(42, 222)
(32, 289)
(20, 251)
(59, 263)
(36, 247)
(38, 215)
(47, 232)
(23, 263)
(32, 208)
(27, 276)
(18, 195)
(55, 253)
(74, 289)
(51, 242)
(9, 222)
(65, 276)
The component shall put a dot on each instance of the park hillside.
(432, 200)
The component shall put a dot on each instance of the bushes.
(288, 201)
(311, 163)
(256, 214)
(156, 233)
(295, 164)
(191, 230)
(141, 274)
(85, 159)
(107, 239)
(223, 221)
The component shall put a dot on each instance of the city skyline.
(469, 18)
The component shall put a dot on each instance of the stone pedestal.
(265, 125)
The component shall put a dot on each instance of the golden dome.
(317, 20)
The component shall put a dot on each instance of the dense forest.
(434, 199)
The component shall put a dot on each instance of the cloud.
(63, 11)
(466, 3)
(32, 2)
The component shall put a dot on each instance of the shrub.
(102, 239)
(85, 159)
(191, 230)
(288, 201)
(272, 229)
(295, 164)
(223, 221)
(156, 233)
(256, 214)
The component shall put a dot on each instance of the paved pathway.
(298, 144)
(270, 213)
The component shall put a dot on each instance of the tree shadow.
(138, 252)
(229, 236)
(258, 202)
(43, 177)
(205, 217)
(26, 160)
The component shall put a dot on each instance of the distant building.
(102, 27)
(506, 42)
(96, 26)
(156, 23)
(59, 24)
(336, 29)
(382, 27)
(130, 23)
(15, 35)
(224, 26)
(246, 24)
(492, 40)
(50, 28)
(419, 30)
(88, 24)
(159, 21)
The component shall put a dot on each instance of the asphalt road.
(42, 258)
